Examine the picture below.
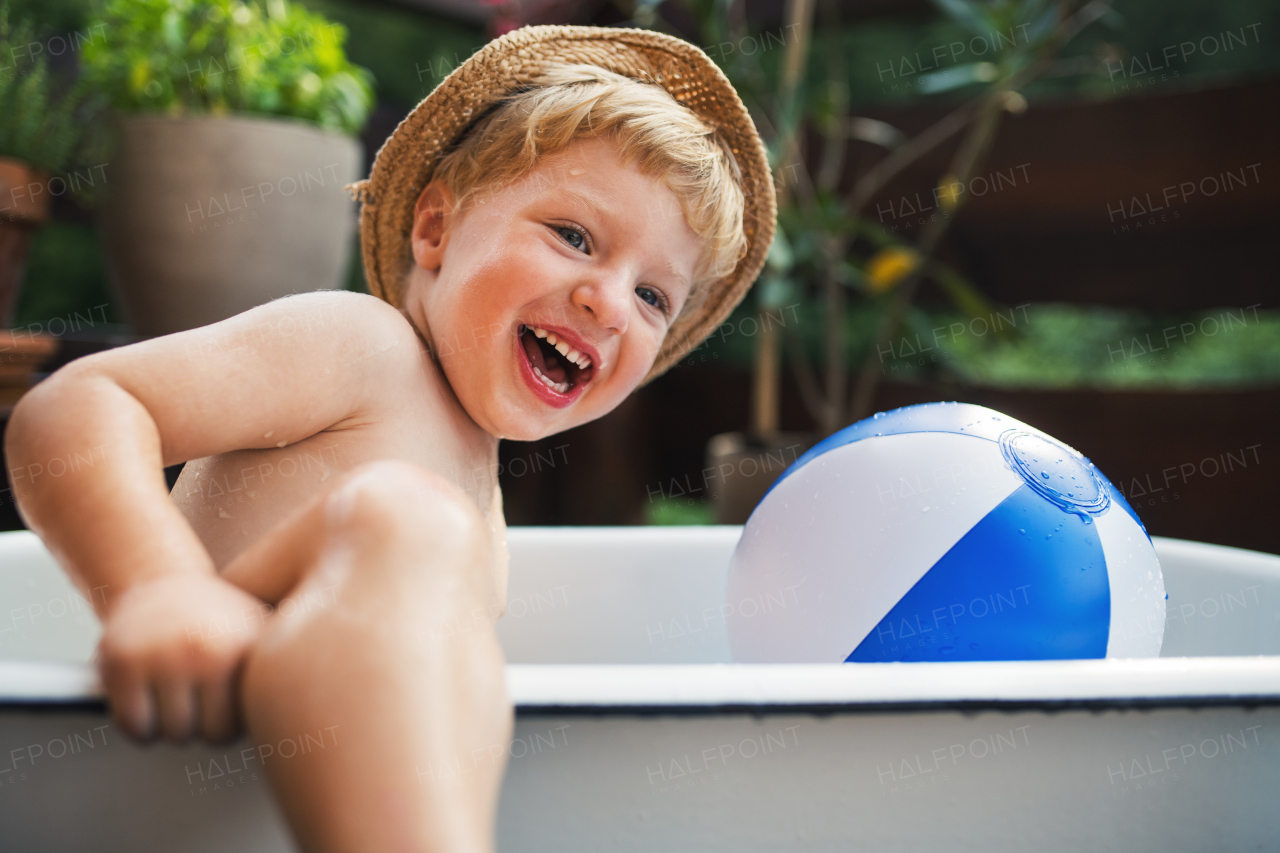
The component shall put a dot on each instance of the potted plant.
(236, 125)
(40, 131)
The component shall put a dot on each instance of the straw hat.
(406, 161)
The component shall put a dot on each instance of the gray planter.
(210, 216)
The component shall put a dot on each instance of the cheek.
(477, 315)
(637, 356)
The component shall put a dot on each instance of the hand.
(171, 653)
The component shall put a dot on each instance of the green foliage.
(222, 56)
(679, 511)
(53, 16)
(1066, 346)
(408, 51)
(1041, 345)
(38, 123)
(66, 278)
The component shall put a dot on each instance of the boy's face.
(584, 254)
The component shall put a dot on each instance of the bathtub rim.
(556, 689)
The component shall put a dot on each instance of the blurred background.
(1065, 211)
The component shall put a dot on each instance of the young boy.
(546, 231)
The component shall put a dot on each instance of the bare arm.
(88, 445)
(87, 470)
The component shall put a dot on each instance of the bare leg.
(390, 656)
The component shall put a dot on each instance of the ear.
(432, 218)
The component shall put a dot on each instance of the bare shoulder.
(357, 316)
(273, 375)
(366, 318)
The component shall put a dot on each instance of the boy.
(547, 230)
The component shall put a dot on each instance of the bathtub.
(634, 733)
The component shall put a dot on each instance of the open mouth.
(555, 363)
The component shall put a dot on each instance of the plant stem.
(972, 149)
(766, 385)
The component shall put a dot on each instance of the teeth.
(559, 387)
(562, 347)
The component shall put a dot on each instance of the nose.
(607, 297)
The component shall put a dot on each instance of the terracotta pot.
(741, 467)
(24, 206)
(209, 216)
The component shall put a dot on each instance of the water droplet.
(1044, 474)
(973, 647)
(1023, 532)
(924, 509)
(877, 416)
(946, 650)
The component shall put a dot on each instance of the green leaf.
(957, 76)
(171, 26)
(1042, 27)
(260, 56)
(968, 15)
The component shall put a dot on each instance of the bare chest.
(233, 498)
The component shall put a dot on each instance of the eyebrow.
(680, 276)
(589, 202)
(603, 213)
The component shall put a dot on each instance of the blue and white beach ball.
(943, 532)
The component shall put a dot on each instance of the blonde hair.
(663, 137)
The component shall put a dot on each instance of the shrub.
(38, 124)
(224, 56)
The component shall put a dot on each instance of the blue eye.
(653, 297)
(573, 236)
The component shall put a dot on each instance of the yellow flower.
(139, 75)
(890, 266)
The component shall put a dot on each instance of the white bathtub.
(634, 733)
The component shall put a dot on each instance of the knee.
(392, 499)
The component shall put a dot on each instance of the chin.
(535, 421)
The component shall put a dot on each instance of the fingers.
(145, 711)
(132, 705)
(177, 712)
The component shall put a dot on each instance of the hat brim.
(406, 161)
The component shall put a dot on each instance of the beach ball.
(943, 532)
